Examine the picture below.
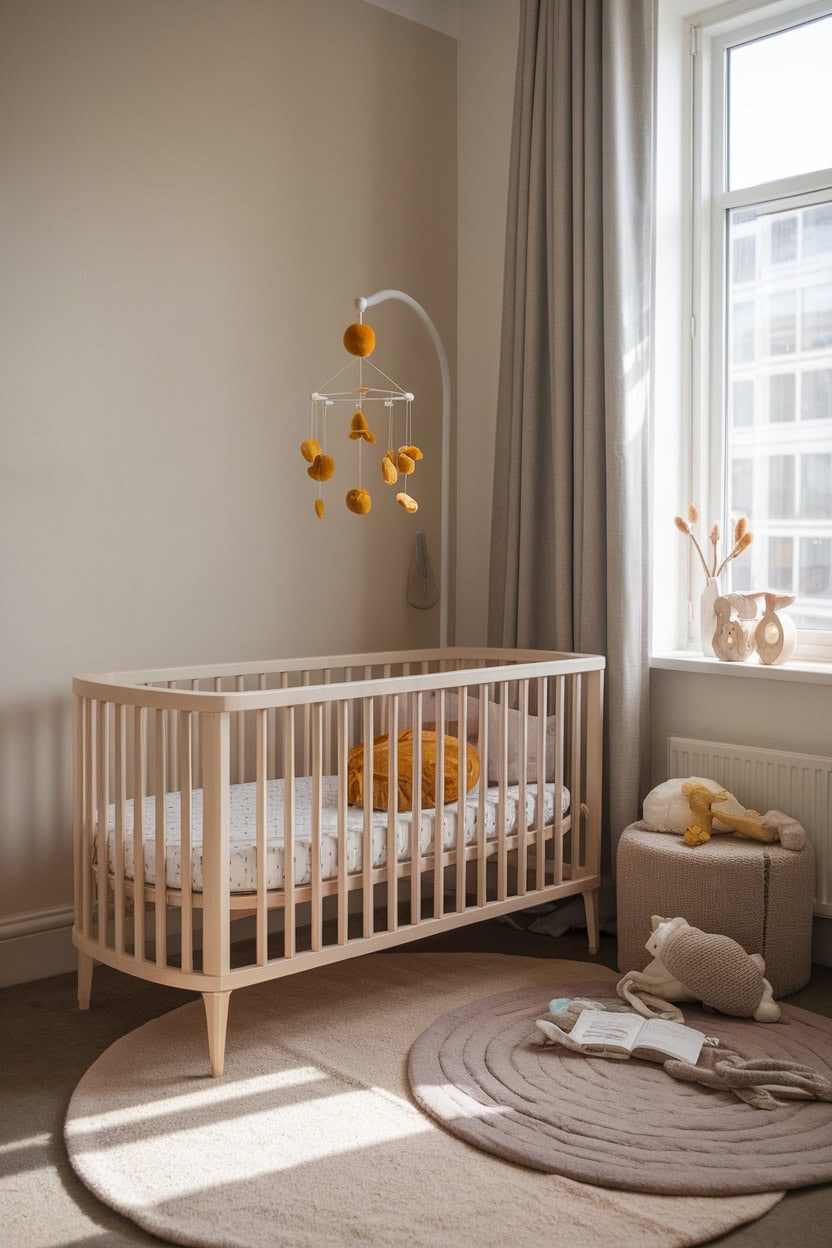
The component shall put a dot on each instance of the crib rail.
(159, 756)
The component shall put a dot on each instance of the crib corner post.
(591, 900)
(216, 762)
(216, 1015)
(85, 969)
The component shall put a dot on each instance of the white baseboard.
(36, 945)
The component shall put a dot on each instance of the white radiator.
(798, 784)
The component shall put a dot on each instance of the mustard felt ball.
(309, 449)
(388, 469)
(359, 501)
(321, 468)
(360, 339)
(409, 504)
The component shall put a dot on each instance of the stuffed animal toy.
(310, 448)
(360, 429)
(321, 468)
(404, 462)
(388, 468)
(698, 807)
(404, 500)
(692, 965)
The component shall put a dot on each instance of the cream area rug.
(311, 1136)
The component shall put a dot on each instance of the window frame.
(710, 35)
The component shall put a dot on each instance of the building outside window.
(764, 194)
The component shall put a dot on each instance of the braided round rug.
(484, 1073)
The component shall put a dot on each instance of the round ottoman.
(761, 895)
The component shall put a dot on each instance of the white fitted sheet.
(243, 832)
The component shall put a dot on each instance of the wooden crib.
(215, 796)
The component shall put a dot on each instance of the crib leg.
(85, 969)
(216, 1013)
(591, 910)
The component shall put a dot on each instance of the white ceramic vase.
(707, 615)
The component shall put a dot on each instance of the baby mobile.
(360, 341)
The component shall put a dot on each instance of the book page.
(672, 1039)
(603, 1029)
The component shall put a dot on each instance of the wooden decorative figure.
(733, 638)
(359, 342)
(776, 635)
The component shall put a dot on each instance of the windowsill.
(692, 662)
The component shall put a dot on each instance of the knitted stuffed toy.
(692, 965)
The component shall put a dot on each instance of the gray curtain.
(569, 564)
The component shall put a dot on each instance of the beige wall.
(193, 193)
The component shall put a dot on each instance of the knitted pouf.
(761, 895)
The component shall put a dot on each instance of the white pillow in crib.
(473, 720)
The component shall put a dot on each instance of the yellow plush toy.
(310, 448)
(381, 767)
(409, 504)
(360, 429)
(388, 468)
(321, 468)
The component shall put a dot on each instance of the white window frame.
(709, 36)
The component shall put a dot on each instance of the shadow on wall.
(35, 806)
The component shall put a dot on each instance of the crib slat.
(392, 711)
(482, 863)
(416, 816)
(366, 844)
(216, 769)
(462, 797)
(289, 831)
(439, 805)
(523, 760)
(120, 798)
(186, 764)
(317, 808)
(139, 785)
(559, 711)
(540, 732)
(173, 752)
(159, 780)
(240, 725)
(342, 730)
(103, 803)
(305, 680)
(328, 729)
(87, 830)
(575, 781)
(78, 768)
(594, 760)
(262, 849)
(502, 855)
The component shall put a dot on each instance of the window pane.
(781, 485)
(782, 323)
(816, 399)
(781, 397)
(817, 317)
(817, 231)
(779, 133)
(779, 431)
(784, 240)
(781, 563)
(742, 332)
(816, 486)
(744, 259)
(742, 479)
(743, 403)
(816, 567)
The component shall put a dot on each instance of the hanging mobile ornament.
(359, 342)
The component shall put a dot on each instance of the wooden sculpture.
(776, 635)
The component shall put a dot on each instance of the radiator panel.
(798, 784)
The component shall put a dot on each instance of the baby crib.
(215, 846)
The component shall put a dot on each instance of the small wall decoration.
(712, 567)
(398, 460)
(776, 635)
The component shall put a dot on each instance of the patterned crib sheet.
(243, 832)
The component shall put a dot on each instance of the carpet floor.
(47, 1046)
(311, 1136)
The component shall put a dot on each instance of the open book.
(602, 1033)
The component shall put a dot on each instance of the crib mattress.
(243, 873)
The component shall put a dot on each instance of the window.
(762, 367)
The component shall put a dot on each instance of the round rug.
(311, 1136)
(485, 1074)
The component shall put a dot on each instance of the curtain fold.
(569, 562)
